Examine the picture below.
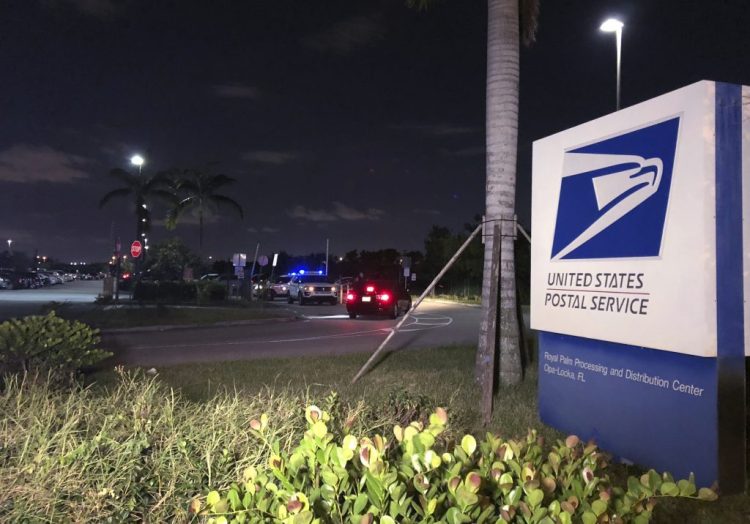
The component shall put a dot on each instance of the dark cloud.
(465, 151)
(433, 212)
(338, 212)
(348, 35)
(269, 157)
(236, 91)
(28, 163)
(437, 130)
(264, 229)
(102, 9)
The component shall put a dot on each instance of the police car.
(307, 288)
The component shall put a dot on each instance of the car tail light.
(350, 297)
(370, 289)
(385, 297)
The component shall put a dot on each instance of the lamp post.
(612, 25)
(138, 160)
(10, 249)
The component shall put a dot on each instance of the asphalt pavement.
(318, 330)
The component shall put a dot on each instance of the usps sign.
(639, 275)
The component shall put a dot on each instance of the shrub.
(405, 480)
(165, 291)
(209, 291)
(48, 344)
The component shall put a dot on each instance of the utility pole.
(327, 256)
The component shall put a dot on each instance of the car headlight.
(283, 288)
(310, 289)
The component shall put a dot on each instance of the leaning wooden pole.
(427, 291)
(488, 371)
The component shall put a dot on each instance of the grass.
(137, 448)
(440, 376)
(129, 316)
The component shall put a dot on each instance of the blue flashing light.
(320, 272)
(301, 271)
(294, 272)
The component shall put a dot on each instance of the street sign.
(262, 260)
(275, 259)
(413, 277)
(136, 249)
(239, 271)
(239, 260)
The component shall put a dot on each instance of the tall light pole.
(612, 25)
(10, 249)
(138, 160)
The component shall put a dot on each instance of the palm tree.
(197, 192)
(503, 50)
(142, 189)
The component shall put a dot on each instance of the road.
(323, 330)
(320, 330)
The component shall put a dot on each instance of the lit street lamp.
(137, 160)
(612, 25)
(10, 249)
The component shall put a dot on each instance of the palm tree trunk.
(502, 135)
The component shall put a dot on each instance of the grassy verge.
(419, 380)
(137, 448)
(127, 316)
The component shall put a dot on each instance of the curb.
(172, 327)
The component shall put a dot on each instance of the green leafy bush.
(48, 344)
(407, 479)
(165, 291)
(210, 291)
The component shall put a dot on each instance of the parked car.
(312, 288)
(378, 297)
(4, 284)
(279, 287)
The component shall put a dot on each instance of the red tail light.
(385, 297)
(350, 297)
(370, 289)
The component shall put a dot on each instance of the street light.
(612, 25)
(10, 249)
(137, 160)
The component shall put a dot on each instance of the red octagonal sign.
(135, 249)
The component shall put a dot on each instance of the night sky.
(358, 121)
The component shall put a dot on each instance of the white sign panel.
(623, 226)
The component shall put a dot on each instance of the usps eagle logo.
(614, 195)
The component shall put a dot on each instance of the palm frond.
(226, 201)
(216, 181)
(529, 14)
(115, 193)
(125, 176)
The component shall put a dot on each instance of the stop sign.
(135, 249)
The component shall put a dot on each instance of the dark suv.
(378, 297)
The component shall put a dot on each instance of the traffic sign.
(263, 260)
(135, 249)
